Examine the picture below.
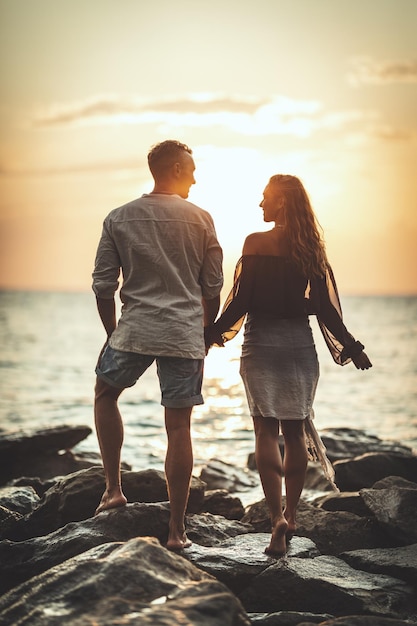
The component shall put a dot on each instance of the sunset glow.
(254, 89)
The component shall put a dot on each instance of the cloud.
(114, 109)
(277, 115)
(365, 70)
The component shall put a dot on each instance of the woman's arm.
(341, 343)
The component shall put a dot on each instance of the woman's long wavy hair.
(306, 245)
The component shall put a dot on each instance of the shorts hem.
(182, 403)
(109, 381)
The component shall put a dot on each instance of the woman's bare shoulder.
(254, 243)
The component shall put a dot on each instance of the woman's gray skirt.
(279, 367)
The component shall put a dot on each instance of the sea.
(49, 343)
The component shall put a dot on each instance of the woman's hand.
(361, 361)
(211, 336)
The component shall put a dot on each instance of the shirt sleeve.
(107, 266)
(323, 301)
(211, 275)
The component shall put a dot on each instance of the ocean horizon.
(50, 341)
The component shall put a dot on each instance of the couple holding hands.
(171, 263)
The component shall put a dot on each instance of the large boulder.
(395, 509)
(135, 582)
(349, 501)
(332, 531)
(327, 584)
(76, 496)
(348, 443)
(21, 560)
(397, 562)
(41, 452)
(211, 530)
(365, 470)
(221, 502)
(239, 560)
(218, 474)
(19, 499)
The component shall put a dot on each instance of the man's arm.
(107, 311)
(211, 308)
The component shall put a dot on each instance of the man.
(171, 264)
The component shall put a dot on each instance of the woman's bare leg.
(269, 464)
(295, 465)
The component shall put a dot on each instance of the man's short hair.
(163, 155)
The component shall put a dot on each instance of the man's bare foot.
(111, 499)
(278, 546)
(178, 541)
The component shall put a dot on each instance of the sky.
(322, 89)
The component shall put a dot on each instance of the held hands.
(212, 336)
(361, 361)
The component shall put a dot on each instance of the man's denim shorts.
(180, 379)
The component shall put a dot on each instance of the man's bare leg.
(109, 427)
(178, 469)
(295, 465)
(269, 464)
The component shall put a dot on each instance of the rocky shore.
(352, 562)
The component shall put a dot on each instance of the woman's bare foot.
(278, 546)
(111, 499)
(292, 526)
(178, 541)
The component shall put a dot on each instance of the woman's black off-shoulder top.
(272, 286)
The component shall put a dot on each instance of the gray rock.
(211, 530)
(239, 560)
(331, 531)
(396, 562)
(396, 511)
(348, 443)
(19, 499)
(315, 479)
(40, 440)
(326, 584)
(75, 497)
(221, 502)
(39, 485)
(257, 515)
(220, 475)
(364, 471)
(351, 502)
(394, 481)
(32, 452)
(8, 520)
(21, 560)
(136, 582)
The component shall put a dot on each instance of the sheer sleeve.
(237, 302)
(323, 301)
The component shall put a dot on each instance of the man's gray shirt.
(167, 250)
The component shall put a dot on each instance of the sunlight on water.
(50, 342)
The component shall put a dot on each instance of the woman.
(282, 277)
